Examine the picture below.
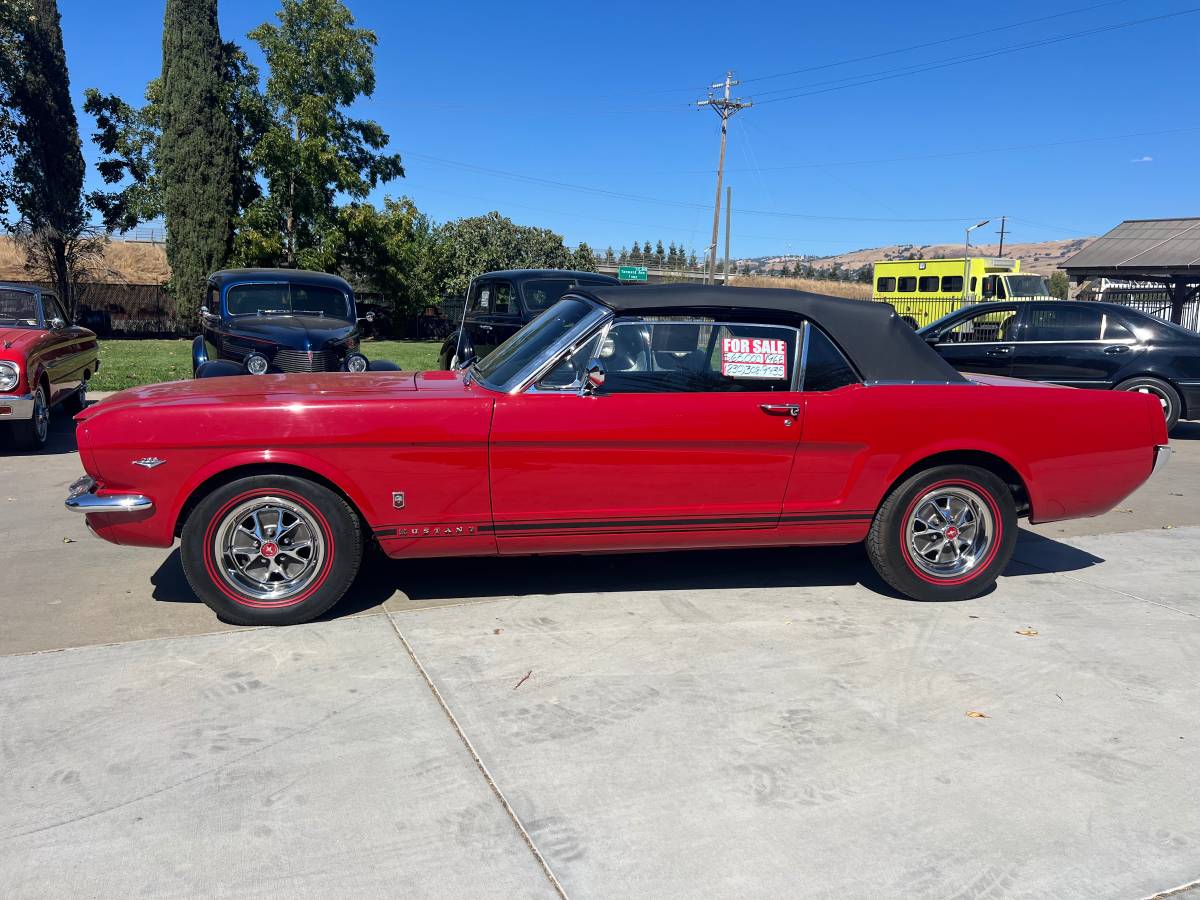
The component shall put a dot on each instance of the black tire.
(32, 433)
(77, 401)
(905, 562)
(308, 584)
(1169, 397)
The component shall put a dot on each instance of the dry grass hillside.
(123, 262)
(830, 288)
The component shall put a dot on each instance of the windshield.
(1027, 286)
(17, 308)
(283, 299)
(537, 343)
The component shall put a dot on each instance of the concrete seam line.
(1174, 892)
(1104, 587)
(479, 763)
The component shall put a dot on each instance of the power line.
(937, 43)
(723, 106)
(875, 77)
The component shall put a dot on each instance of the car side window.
(480, 301)
(671, 356)
(1062, 323)
(1113, 329)
(52, 309)
(993, 325)
(825, 366)
(505, 301)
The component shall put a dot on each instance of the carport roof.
(1158, 246)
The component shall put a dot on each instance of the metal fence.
(1151, 302)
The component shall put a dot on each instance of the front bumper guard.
(20, 406)
(82, 498)
(1162, 455)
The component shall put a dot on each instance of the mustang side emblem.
(149, 462)
(398, 499)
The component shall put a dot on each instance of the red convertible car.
(621, 419)
(44, 360)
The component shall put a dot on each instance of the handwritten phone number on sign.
(764, 358)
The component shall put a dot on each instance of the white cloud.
(1143, 159)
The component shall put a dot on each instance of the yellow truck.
(924, 290)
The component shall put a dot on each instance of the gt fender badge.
(398, 499)
(149, 462)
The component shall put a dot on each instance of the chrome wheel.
(41, 415)
(949, 532)
(269, 548)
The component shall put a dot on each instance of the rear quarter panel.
(1078, 452)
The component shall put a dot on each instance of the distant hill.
(1042, 258)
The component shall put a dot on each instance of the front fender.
(219, 368)
(199, 353)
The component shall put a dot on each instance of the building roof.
(1157, 246)
(881, 344)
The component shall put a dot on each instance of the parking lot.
(727, 724)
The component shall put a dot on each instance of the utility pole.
(723, 106)
(728, 207)
(1003, 220)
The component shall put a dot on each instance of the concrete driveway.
(697, 724)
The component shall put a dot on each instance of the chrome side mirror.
(57, 324)
(203, 313)
(593, 376)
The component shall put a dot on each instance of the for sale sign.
(764, 358)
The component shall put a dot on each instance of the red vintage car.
(44, 361)
(622, 419)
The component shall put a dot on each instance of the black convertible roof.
(299, 276)
(882, 345)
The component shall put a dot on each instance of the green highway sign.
(632, 273)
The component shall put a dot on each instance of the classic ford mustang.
(621, 419)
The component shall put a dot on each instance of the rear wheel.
(76, 402)
(271, 550)
(944, 534)
(1166, 395)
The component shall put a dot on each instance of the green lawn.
(130, 362)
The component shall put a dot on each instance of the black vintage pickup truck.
(256, 321)
(500, 303)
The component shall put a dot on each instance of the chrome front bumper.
(1162, 455)
(20, 406)
(83, 498)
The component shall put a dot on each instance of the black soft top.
(290, 276)
(882, 345)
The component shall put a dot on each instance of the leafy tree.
(45, 183)
(692, 260)
(129, 138)
(1060, 285)
(786, 271)
(491, 242)
(197, 152)
(396, 251)
(320, 64)
(583, 259)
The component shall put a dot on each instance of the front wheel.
(34, 432)
(944, 534)
(271, 550)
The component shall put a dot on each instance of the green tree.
(1060, 285)
(396, 251)
(197, 153)
(45, 183)
(692, 263)
(660, 255)
(583, 259)
(786, 271)
(635, 255)
(487, 243)
(623, 258)
(609, 256)
(320, 64)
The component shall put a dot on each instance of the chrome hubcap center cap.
(269, 548)
(949, 531)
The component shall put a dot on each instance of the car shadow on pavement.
(60, 440)
(1186, 431)
(432, 581)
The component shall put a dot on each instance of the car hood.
(294, 332)
(255, 390)
(19, 338)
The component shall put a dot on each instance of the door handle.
(1116, 348)
(780, 409)
(1000, 351)
(484, 327)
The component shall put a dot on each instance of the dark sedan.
(256, 321)
(1076, 343)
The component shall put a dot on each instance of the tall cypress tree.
(48, 167)
(198, 158)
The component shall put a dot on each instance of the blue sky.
(576, 117)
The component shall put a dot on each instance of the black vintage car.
(1079, 343)
(500, 303)
(257, 321)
